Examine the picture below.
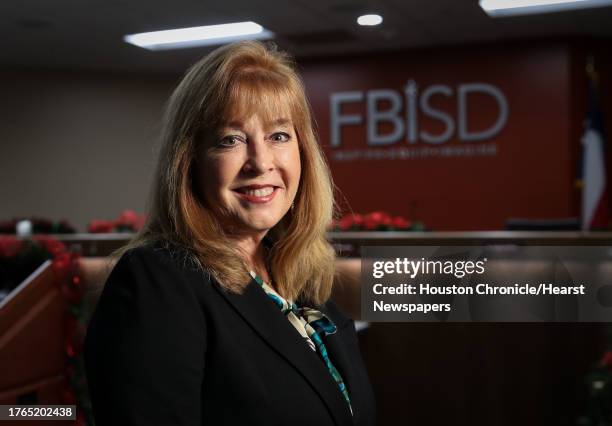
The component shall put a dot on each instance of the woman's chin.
(259, 224)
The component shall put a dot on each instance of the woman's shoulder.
(159, 263)
(149, 280)
(161, 253)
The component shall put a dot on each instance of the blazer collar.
(268, 321)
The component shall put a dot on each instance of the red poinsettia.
(349, 221)
(400, 223)
(9, 246)
(128, 220)
(99, 226)
(52, 245)
(375, 221)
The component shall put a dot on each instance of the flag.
(595, 213)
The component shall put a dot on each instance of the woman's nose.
(260, 158)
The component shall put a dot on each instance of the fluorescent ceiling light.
(199, 36)
(496, 8)
(369, 20)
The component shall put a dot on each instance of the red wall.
(532, 173)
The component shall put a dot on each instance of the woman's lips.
(257, 194)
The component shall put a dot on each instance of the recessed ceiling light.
(199, 36)
(497, 8)
(369, 20)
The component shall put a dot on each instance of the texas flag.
(595, 213)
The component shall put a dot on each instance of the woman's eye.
(229, 141)
(280, 137)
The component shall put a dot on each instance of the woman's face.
(250, 172)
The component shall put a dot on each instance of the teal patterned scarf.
(311, 324)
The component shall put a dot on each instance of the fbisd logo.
(402, 111)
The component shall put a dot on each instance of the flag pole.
(595, 210)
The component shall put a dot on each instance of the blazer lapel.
(268, 321)
(337, 348)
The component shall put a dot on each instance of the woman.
(218, 312)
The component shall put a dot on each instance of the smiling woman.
(218, 312)
(250, 174)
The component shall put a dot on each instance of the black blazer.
(167, 346)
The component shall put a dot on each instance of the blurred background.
(443, 121)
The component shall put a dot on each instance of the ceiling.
(87, 34)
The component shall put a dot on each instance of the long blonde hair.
(253, 77)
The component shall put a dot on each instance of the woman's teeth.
(262, 192)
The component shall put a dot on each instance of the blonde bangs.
(256, 92)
